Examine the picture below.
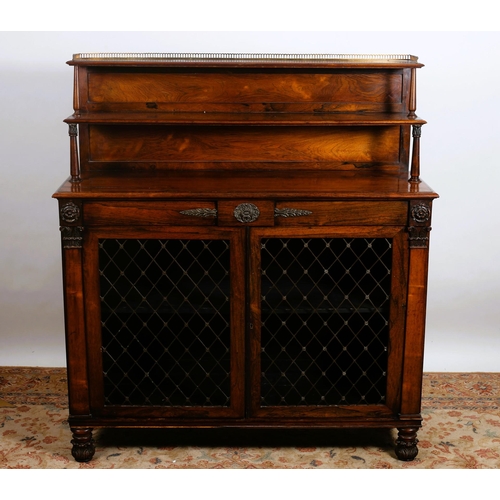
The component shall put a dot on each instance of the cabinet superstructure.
(245, 243)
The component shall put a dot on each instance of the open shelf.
(233, 119)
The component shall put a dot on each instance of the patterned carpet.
(461, 430)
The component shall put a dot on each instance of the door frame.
(397, 316)
(236, 241)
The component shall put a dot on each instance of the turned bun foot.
(83, 445)
(406, 444)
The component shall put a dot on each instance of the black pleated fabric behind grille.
(165, 322)
(325, 317)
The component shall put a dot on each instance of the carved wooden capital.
(417, 131)
(419, 237)
(70, 214)
(72, 236)
(419, 224)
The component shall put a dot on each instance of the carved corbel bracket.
(70, 215)
(419, 224)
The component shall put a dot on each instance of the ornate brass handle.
(290, 212)
(200, 212)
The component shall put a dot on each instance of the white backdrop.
(457, 95)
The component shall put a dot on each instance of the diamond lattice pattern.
(325, 317)
(165, 322)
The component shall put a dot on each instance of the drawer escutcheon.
(246, 212)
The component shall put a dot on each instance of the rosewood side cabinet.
(245, 244)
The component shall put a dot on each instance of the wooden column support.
(70, 217)
(413, 94)
(416, 129)
(418, 229)
(415, 157)
(74, 160)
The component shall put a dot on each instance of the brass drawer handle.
(200, 212)
(290, 212)
(246, 212)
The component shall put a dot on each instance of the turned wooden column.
(74, 160)
(415, 157)
(413, 94)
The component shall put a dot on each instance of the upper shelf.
(274, 107)
(331, 89)
(270, 119)
(249, 60)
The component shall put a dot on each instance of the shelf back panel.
(125, 146)
(243, 90)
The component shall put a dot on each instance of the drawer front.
(341, 213)
(246, 213)
(178, 213)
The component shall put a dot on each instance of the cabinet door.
(327, 315)
(165, 317)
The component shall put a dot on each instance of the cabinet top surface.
(331, 185)
(248, 60)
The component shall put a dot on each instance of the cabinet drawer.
(341, 213)
(179, 213)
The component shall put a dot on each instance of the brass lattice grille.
(325, 317)
(165, 322)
